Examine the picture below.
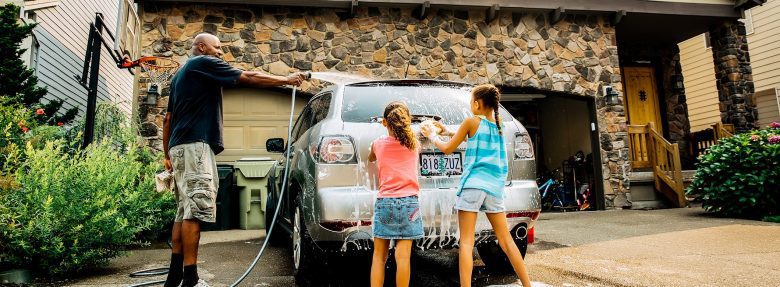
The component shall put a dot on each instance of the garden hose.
(151, 272)
(281, 193)
(164, 270)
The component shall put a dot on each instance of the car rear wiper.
(415, 118)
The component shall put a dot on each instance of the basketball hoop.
(160, 71)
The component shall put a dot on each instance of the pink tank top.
(397, 168)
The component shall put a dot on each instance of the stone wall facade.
(678, 125)
(576, 55)
(734, 75)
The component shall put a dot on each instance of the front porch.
(662, 149)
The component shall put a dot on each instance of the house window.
(30, 15)
(747, 19)
(707, 43)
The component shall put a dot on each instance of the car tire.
(279, 236)
(304, 253)
(495, 259)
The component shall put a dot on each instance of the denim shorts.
(397, 218)
(476, 200)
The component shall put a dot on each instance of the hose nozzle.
(307, 75)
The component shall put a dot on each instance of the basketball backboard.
(127, 28)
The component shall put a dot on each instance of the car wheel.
(495, 259)
(303, 251)
(278, 237)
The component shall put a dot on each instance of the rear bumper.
(342, 216)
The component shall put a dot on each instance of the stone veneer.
(576, 55)
(678, 125)
(734, 75)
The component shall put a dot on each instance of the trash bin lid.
(255, 159)
(254, 167)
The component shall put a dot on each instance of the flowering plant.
(740, 176)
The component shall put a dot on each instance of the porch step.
(688, 175)
(641, 177)
(649, 204)
(647, 176)
(643, 193)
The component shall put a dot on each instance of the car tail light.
(340, 225)
(335, 149)
(533, 215)
(524, 148)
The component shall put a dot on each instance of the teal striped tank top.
(485, 163)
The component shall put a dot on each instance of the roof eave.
(598, 6)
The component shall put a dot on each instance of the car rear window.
(362, 103)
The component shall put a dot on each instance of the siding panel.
(699, 79)
(768, 107)
(765, 46)
(67, 26)
(699, 73)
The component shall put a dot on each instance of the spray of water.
(338, 78)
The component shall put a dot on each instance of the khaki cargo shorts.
(195, 174)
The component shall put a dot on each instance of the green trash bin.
(227, 216)
(252, 186)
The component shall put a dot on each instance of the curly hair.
(490, 96)
(399, 120)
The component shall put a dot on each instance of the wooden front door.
(641, 97)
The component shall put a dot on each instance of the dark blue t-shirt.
(196, 101)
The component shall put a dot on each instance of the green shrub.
(66, 209)
(77, 211)
(773, 218)
(740, 176)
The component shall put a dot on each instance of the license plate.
(439, 164)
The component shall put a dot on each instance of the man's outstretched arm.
(262, 80)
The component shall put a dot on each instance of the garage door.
(251, 117)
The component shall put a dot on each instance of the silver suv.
(329, 204)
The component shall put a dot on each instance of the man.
(192, 136)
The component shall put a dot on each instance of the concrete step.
(642, 191)
(688, 175)
(649, 204)
(647, 176)
(641, 177)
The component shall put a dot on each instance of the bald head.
(207, 44)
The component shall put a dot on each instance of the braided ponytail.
(399, 120)
(490, 96)
(498, 121)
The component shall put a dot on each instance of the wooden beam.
(492, 13)
(353, 7)
(573, 6)
(557, 15)
(422, 11)
(617, 17)
(747, 4)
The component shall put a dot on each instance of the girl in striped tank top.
(482, 183)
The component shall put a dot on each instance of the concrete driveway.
(672, 247)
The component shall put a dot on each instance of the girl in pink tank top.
(397, 208)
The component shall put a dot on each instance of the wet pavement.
(673, 247)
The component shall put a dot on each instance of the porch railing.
(649, 149)
(702, 140)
